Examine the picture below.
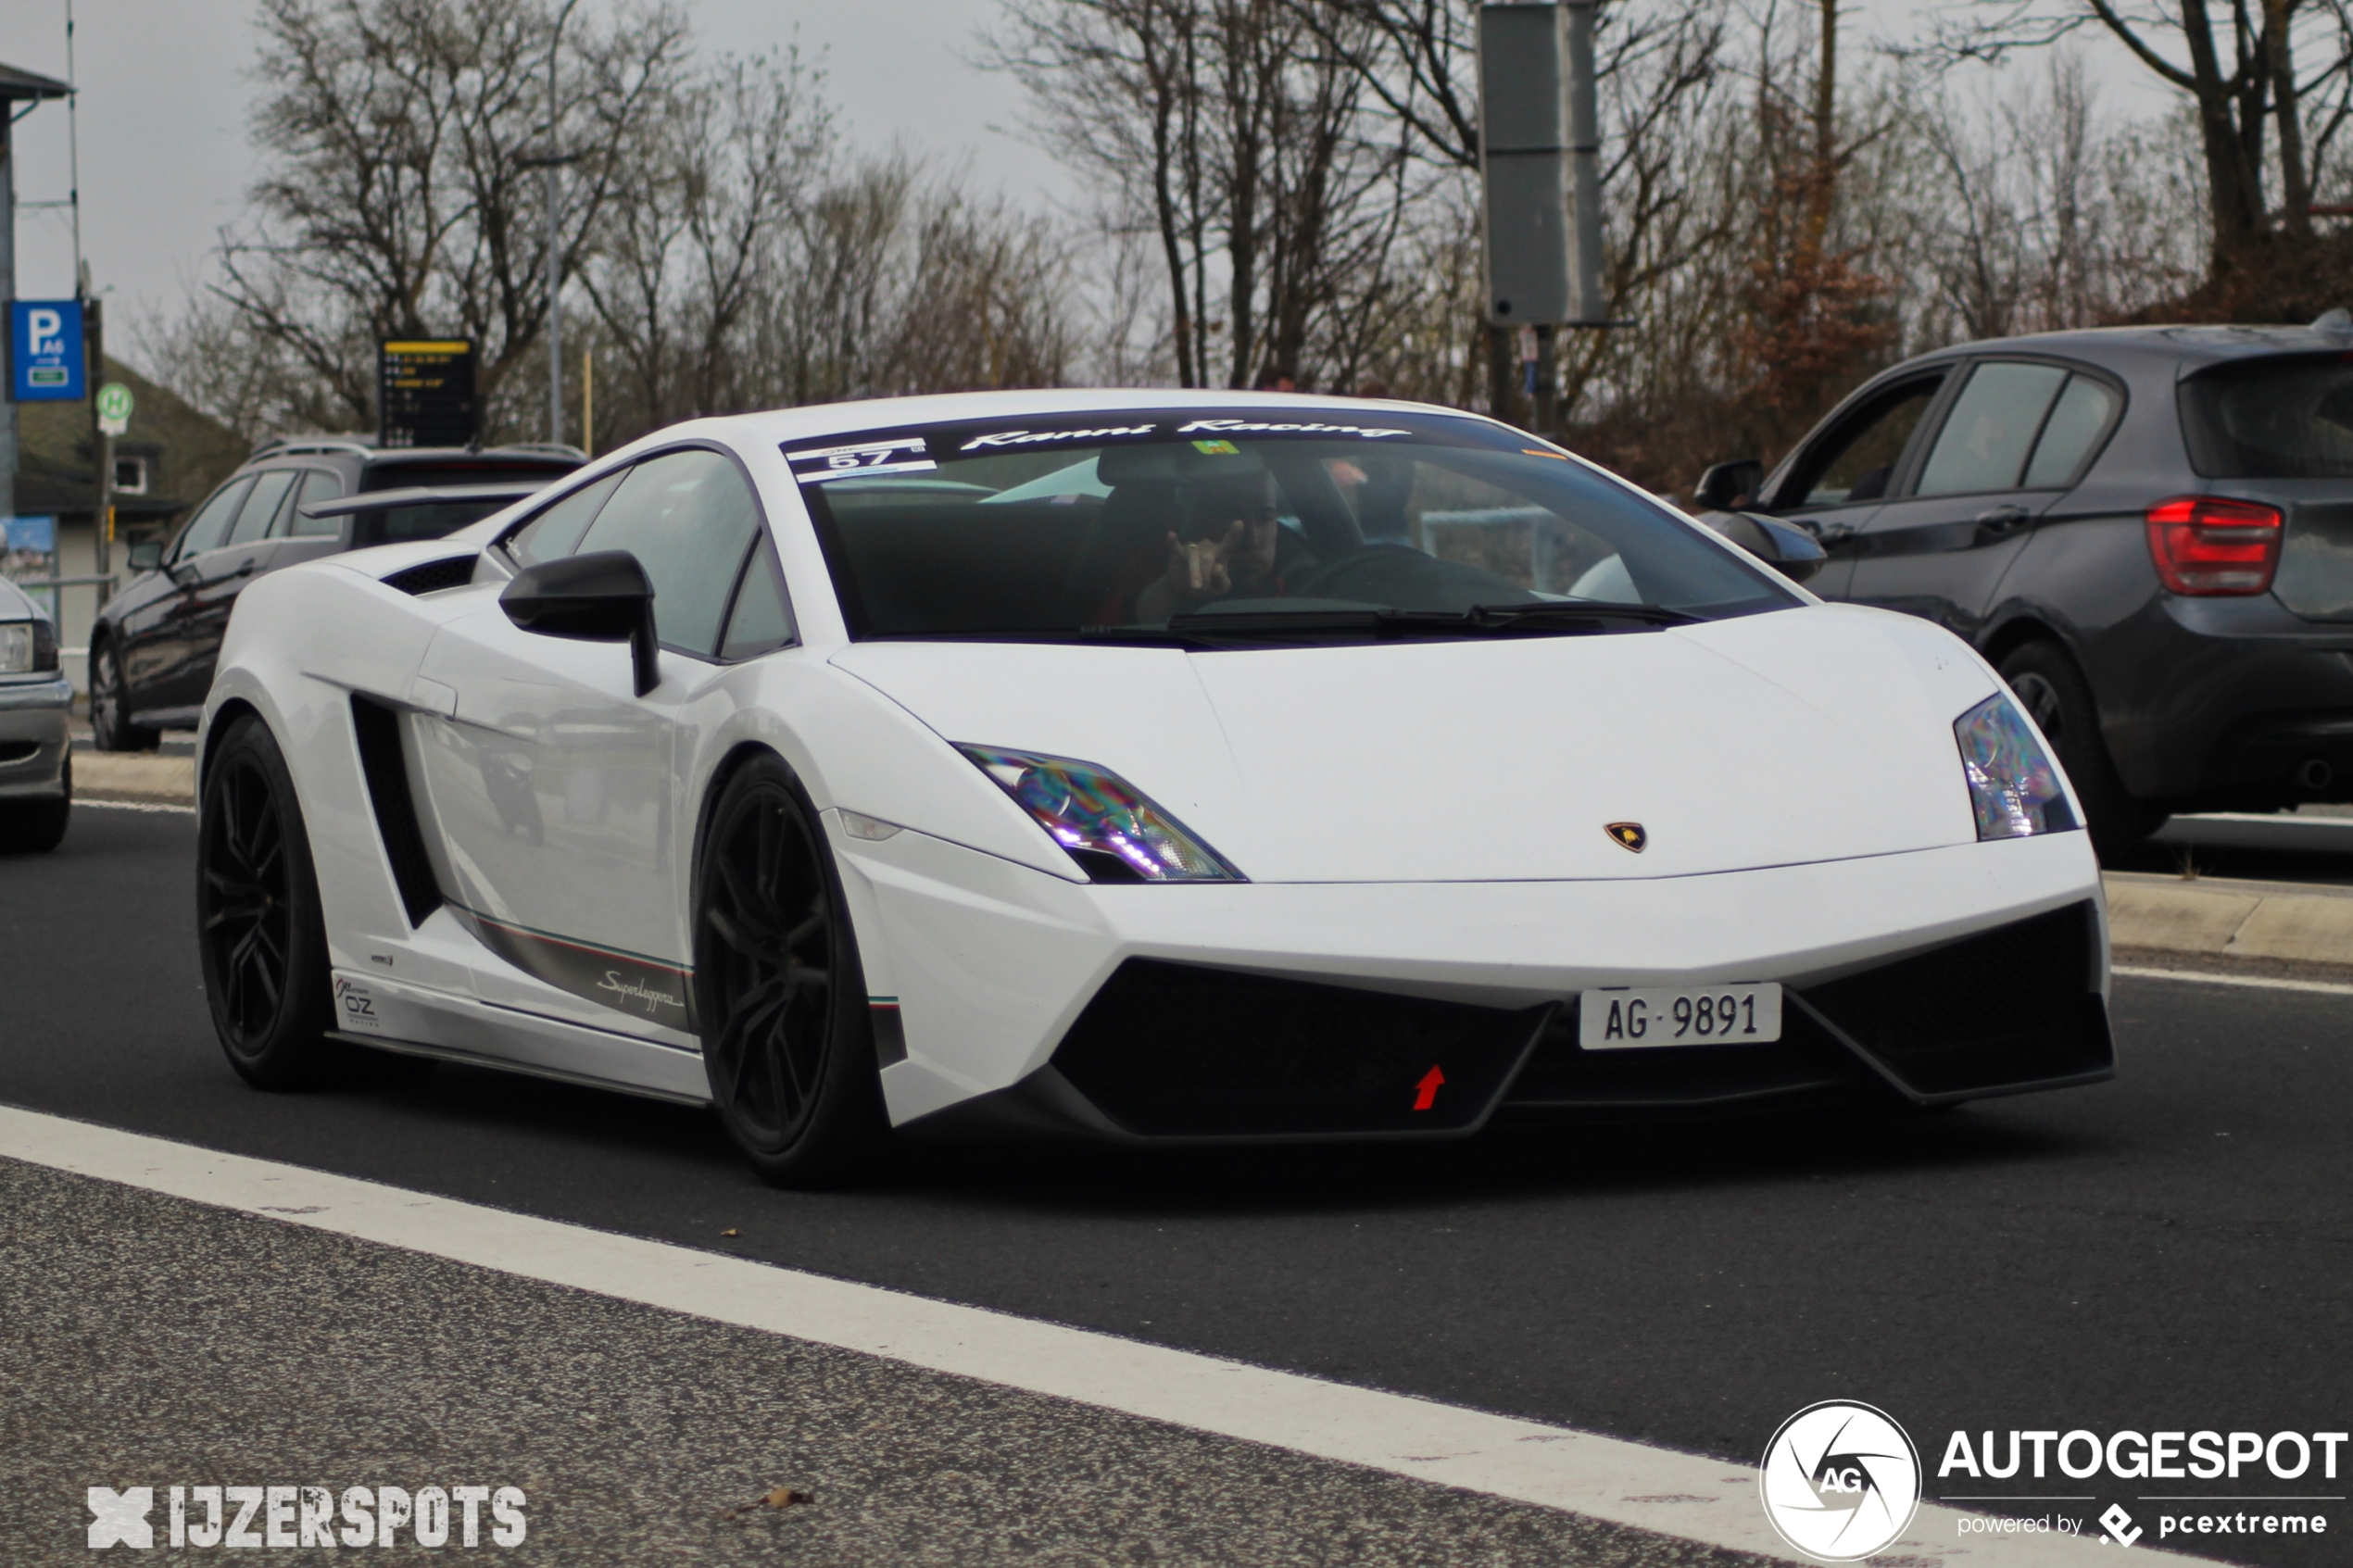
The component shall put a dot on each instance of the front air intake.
(377, 729)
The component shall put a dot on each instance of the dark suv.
(153, 646)
(2149, 531)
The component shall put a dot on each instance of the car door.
(1836, 484)
(210, 584)
(554, 789)
(2009, 440)
(153, 654)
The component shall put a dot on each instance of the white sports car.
(1146, 767)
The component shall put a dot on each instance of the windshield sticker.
(1031, 438)
(1259, 427)
(822, 464)
(1217, 449)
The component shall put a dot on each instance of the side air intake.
(433, 576)
(378, 728)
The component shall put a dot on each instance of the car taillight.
(2205, 545)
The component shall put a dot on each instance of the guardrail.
(55, 584)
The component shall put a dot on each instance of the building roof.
(16, 84)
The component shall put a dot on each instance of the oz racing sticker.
(822, 465)
(355, 1005)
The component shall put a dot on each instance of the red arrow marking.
(1425, 1092)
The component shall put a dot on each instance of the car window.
(1992, 426)
(261, 505)
(210, 525)
(689, 518)
(317, 485)
(2285, 416)
(761, 619)
(1858, 463)
(556, 530)
(2082, 412)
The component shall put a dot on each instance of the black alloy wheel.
(36, 827)
(110, 725)
(259, 932)
(2059, 700)
(788, 1039)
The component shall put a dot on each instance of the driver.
(1228, 543)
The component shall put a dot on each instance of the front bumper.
(34, 737)
(1301, 1012)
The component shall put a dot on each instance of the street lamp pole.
(555, 228)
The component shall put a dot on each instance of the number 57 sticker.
(822, 464)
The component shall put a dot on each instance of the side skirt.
(392, 1016)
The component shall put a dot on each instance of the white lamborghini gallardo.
(1143, 767)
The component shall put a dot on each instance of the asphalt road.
(2169, 1251)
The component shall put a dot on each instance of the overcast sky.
(166, 83)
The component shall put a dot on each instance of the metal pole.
(8, 297)
(1584, 162)
(555, 228)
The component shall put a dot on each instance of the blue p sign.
(44, 344)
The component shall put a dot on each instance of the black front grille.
(433, 575)
(1176, 1051)
(378, 730)
(1563, 1075)
(2009, 1006)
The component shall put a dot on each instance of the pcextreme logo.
(1839, 1480)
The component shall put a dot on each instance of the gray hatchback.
(2149, 531)
(37, 761)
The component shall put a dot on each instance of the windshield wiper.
(1554, 617)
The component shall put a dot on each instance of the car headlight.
(26, 646)
(2013, 785)
(1108, 825)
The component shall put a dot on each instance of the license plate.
(1648, 1017)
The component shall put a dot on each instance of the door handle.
(245, 567)
(2004, 520)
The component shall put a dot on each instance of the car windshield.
(2287, 416)
(1325, 525)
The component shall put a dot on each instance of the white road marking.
(1710, 1500)
(2261, 981)
(84, 803)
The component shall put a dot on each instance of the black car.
(2148, 530)
(153, 646)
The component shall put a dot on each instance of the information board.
(425, 393)
(44, 350)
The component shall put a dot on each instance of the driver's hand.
(1197, 570)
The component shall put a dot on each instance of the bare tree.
(2237, 64)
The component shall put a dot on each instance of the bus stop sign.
(44, 350)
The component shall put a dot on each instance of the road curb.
(146, 780)
(2239, 919)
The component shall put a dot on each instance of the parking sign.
(44, 350)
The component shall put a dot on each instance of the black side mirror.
(1784, 546)
(600, 597)
(1727, 487)
(146, 556)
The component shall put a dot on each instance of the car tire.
(2053, 692)
(110, 726)
(36, 827)
(261, 938)
(779, 995)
